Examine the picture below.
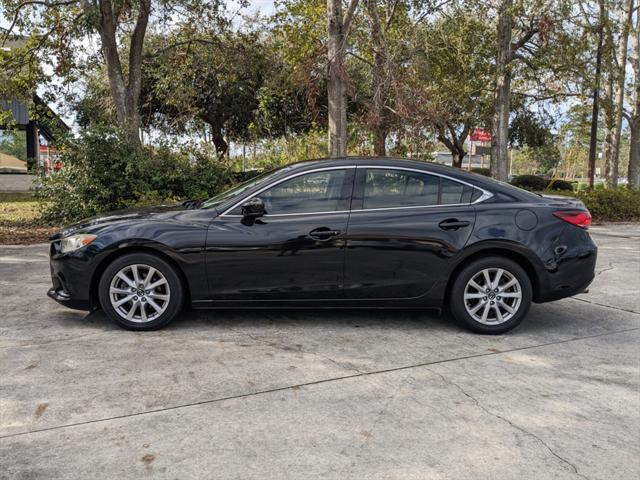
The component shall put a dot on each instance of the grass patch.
(20, 220)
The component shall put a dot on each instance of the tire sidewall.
(175, 284)
(456, 297)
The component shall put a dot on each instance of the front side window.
(310, 193)
(385, 188)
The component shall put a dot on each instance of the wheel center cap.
(492, 295)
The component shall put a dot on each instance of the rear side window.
(452, 192)
(401, 188)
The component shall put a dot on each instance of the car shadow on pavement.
(413, 319)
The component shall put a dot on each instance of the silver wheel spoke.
(487, 278)
(511, 295)
(496, 280)
(498, 313)
(123, 301)
(143, 312)
(510, 283)
(475, 285)
(507, 308)
(126, 279)
(155, 306)
(156, 284)
(476, 308)
(149, 276)
(485, 312)
(132, 312)
(468, 296)
(120, 291)
(158, 296)
(136, 275)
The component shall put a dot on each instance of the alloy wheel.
(492, 296)
(139, 293)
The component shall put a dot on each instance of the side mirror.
(253, 208)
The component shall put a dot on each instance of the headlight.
(74, 242)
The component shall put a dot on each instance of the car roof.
(456, 173)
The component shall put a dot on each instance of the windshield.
(238, 189)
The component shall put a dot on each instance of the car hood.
(157, 212)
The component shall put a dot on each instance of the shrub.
(558, 184)
(529, 182)
(102, 172)
(482, 171)
(612, 204)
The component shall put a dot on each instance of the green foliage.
(482, 171)
(529, 182)
(558, 184)
(103, 172)
(612, 204)
(14, 143)
(533, 160)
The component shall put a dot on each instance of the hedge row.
(102, 172)
(620, 204)
(536, 183)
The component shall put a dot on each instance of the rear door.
(404, 227)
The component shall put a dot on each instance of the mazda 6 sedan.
(339, 233)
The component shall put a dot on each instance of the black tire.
(175, 291)
(456, 301)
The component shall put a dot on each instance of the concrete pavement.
(317, 394)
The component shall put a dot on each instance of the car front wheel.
(140, 291)
(491, 295)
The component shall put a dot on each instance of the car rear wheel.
(490, 295)
(140, 291)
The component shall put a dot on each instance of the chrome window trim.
(485, 194)
(226, 212)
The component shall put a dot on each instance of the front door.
(294, 251)
(404, 227)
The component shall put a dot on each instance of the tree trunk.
(457, 159)
(593, 140)
(634, 123)
(623, 42)
(502, 95)
(125, 95)
(608, 96)
(379, 142)
(338, 30)
(608, 125)
(336, 91)
(455, 144)
(377, 113)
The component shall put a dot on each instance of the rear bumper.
(570, 273)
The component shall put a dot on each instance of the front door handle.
(323, 233)
(453, 224)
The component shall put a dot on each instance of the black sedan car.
(346, 233)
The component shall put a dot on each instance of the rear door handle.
(324, 233)
(453, 224)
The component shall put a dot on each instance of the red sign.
(480, 135)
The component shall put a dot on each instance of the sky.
(265, 7)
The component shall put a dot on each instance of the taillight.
(579, 219)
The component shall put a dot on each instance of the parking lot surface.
(398, 394)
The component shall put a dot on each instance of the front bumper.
(71, 276)
(63, 298)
